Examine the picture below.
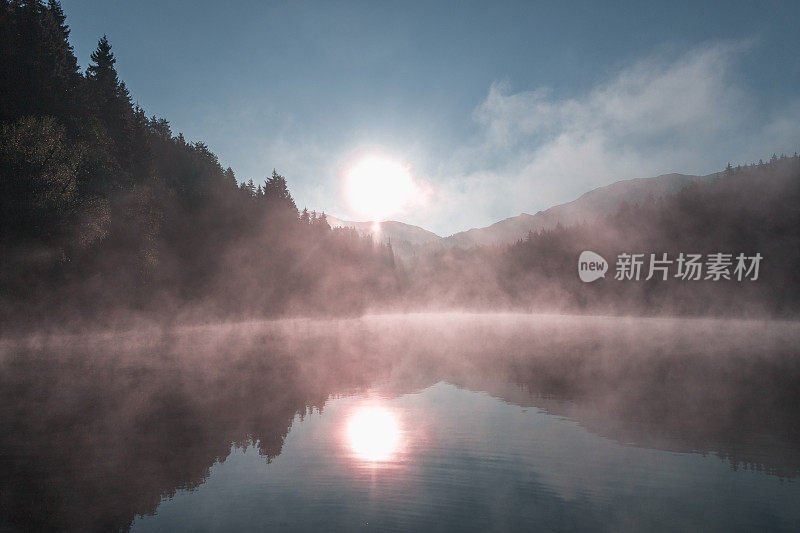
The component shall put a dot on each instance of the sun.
(378, 188)
(373, 434)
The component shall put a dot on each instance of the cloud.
(689, 114)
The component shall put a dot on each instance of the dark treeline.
(102, 207)
(103, 210)
(752, 209)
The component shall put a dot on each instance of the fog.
(160, 314)
(98, 428)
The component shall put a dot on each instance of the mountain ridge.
(589, 206)
(388, 230)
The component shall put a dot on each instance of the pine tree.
(277, 193)
(103, 70)
(160, 127)
(54, 6)
(64, 63)
(38, 69)
(230, 177)
(111, 100)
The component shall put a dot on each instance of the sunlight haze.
(503, 108)
(399, 266)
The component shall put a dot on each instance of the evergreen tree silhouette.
(38, 69)
(230, 177)
(277, 194)
(111, 100)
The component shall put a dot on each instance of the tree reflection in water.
(97, 429)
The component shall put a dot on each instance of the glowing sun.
(378, 188)
(373, 434)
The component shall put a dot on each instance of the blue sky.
(497, 108)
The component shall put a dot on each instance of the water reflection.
(95, 431)
(374, 434)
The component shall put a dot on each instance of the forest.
(105, 211)
(751, 209)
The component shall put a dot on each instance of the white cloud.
(689, 114)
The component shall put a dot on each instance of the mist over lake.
(343, 266)
(501, 420)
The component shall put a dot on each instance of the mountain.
(589, 207)
(389, 230)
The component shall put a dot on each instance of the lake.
(446, 421)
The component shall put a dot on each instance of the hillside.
(104, 210)
(738, 227)
(389, 230)
(588, 208)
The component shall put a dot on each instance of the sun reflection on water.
(374, 434)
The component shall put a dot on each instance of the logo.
(718, 266)
(591, 266)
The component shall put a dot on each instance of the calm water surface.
(447, 422)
